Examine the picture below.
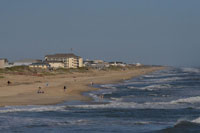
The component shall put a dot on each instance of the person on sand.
(91, 83)
(39, 90)
(47, 84)
(9, 82)
(65, 88)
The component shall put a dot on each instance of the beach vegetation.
(71, 70)
(1, 70)
(81, 69)
(62, 70)
(17, 69)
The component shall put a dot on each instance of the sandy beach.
(23, 89)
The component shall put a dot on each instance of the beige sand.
(23, 90)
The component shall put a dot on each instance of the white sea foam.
(196, 120)
(169, 79)
(110, 86)
(153, 81)
(71, 122)
(193, 70)
(187, 100)
(152, 87)
(118, 103)
(31, 109)
(149, 76)
(94, 96)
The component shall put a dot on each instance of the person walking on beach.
(65, 88)
(91, 83)
(39, 90)
(9, 82)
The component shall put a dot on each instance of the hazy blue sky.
(165, 32)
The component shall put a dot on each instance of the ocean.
(166, 101)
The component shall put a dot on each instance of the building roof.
(62, 55)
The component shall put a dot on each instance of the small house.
(41, 65)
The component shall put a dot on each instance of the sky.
(157, 32)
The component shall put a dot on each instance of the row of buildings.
(50, 61)
(100, 64)
(59, 61)
(55, 61)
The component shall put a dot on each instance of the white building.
(26, 62)
(69, 60)
(117, 64)
(3, 63)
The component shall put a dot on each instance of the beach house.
(56, 64)
(3, 62)
(69, 60)
(41, 65)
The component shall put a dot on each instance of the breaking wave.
(191, 70)
(118, 103)
(152, 87)
(183, 126)
(10, 109)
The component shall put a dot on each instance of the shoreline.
(24, 90)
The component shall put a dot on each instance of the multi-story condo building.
(69, 60)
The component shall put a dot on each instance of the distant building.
(3, 63)
(138, 64)
(26, 62)
(88, 63)
(98, 64)
(69, 60)
(117, 64)
(40, 65)
(56, 64)
(98, 61)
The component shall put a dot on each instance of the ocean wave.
(182, 127)
(118, 103)
(165, 80)
(10, 109)
(110, 86)
(191, 70)
(152, 87)
(187, 100)
(168, 79)
(73, 122)
(196, 120)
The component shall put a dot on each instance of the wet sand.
(23, 89)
